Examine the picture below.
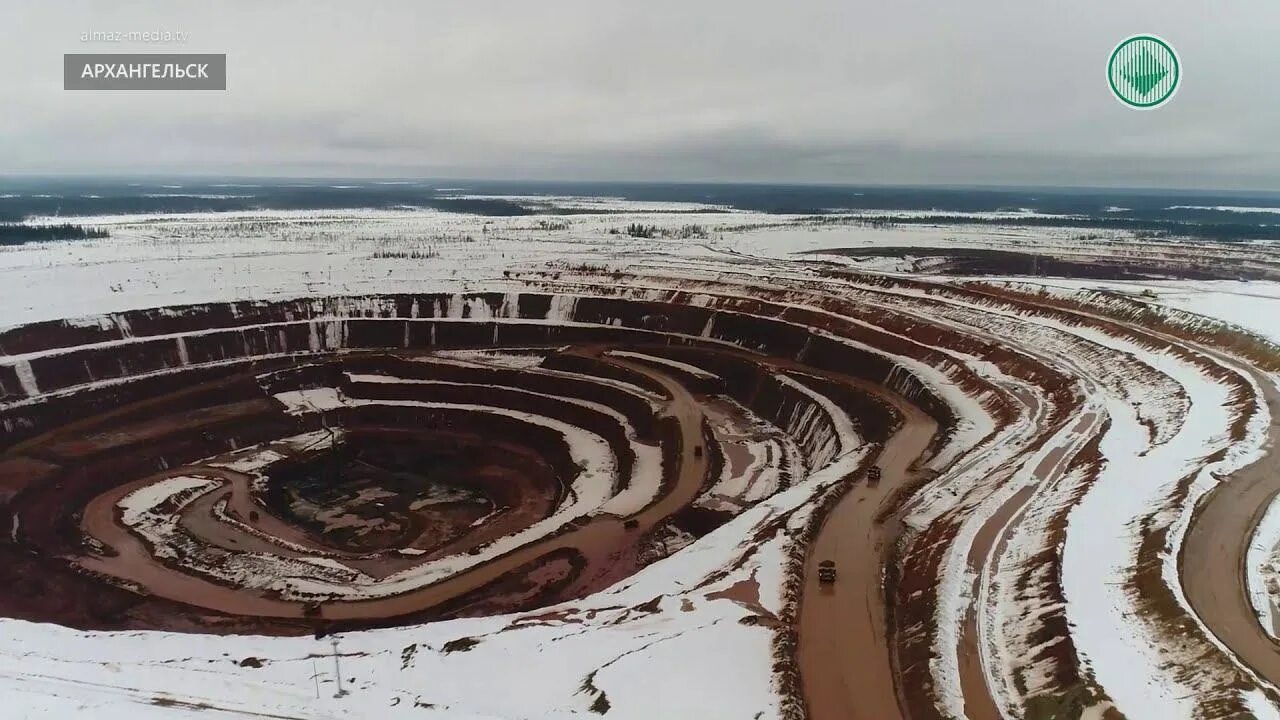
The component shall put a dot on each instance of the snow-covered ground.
(690, 654)
(555, 663)
(559, 662)
(1253, 305)
(687, 654)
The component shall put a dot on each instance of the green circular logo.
(1144, 72)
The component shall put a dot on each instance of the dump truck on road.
(873, 476)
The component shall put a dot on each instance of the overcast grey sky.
(891, 91)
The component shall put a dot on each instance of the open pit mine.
(598, 480)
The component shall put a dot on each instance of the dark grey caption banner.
(144, 71)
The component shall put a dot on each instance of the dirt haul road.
(983, 560)
(845, 661)
(1212, 562)
(134, 561)
(1212, 559)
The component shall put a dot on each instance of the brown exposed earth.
(415, 475)
(843, 625)
(1212, 562)
(342, 473)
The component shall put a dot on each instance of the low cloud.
(908, 92)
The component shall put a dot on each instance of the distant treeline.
(1227, 232)
(640, 230)
(19, 233)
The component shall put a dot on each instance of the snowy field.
(1252, 305)
(555, 663)
(668, 642)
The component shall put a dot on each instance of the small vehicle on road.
(873, 476)
(827, 571)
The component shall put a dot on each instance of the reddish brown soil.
(519, 468)
(1212, 562)
(69, 459)
(844, 625)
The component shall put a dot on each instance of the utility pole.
(337, 671)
